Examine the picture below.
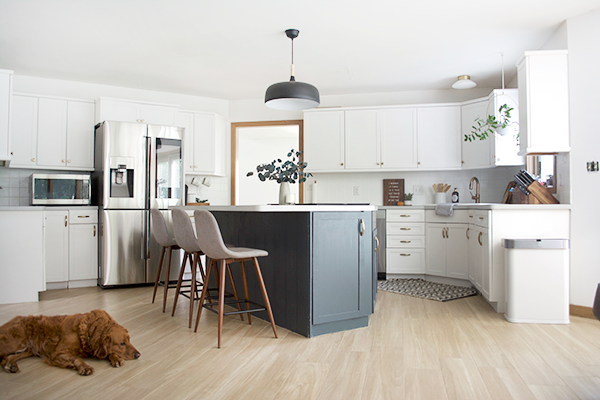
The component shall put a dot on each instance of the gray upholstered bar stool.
(164, 238)
(186, 239)
(211, 243)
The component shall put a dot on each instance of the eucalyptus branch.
(283, 171)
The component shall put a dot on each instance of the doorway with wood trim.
(254, 143)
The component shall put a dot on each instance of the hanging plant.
(486, 127)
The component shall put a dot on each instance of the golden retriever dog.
(64, 340)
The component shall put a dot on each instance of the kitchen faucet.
(477, 197)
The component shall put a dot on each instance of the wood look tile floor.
(412, 349)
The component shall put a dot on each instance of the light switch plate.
(418, 189)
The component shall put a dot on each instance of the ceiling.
(234, 49)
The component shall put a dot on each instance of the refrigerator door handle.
(146, 235)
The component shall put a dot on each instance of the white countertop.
(486, 206)
(44, 208)
(288, 208)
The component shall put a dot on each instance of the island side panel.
(286, 270)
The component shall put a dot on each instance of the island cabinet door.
(341, 266)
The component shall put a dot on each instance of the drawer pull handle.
(405, 255)
(405, 215)
(406, 241)
(377, 248)
(362, 227)
(65, 220)
(94, 230)
(83, 216)
(405, 229)
(467, 233)
(480, 217)
(479, 238)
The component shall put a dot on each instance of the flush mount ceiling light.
(292, 95)
(464, 82)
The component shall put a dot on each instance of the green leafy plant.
(408, 196)
(486, 127)
(291, 170)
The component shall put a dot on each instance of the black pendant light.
(292, 95)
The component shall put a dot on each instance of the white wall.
(92, 91)
(583, 34)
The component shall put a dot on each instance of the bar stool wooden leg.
(264, 293)
(204, 291)
(193, 288)
(243, 269)
(179, 281)
(221, 299)
(160, 263)
(166, 280)
(234, 289)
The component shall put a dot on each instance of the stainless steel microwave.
(60, 189)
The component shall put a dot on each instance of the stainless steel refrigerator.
(137, 167)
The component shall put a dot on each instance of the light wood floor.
(412, 349)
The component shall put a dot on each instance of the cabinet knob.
(68, 161)
(195, 166)
(342, 164)
(33, 159)
(377, 163)
(419, 163)
(62, 161)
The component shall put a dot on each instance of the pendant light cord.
(292, 77)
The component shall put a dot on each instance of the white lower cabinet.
(447, 250)
(405, 241)
(480, 253)
(56, 245)
(71, 247)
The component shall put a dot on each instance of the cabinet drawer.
(482, 218)
(405, 241)
(397, 228)
(404, 215)
(83, 216)
(458, 216)
(405, 261)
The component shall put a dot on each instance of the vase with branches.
(283, 172)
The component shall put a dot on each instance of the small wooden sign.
(393, 191)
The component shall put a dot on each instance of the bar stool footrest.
(260, 307)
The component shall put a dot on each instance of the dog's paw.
(116, 361)
(11, 367)
(85, 370)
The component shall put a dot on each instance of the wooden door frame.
(234, 148)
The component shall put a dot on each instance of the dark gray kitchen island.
(320, 273)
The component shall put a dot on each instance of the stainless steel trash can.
(537, 280)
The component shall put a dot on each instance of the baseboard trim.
(581, 311)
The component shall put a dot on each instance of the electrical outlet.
(355, 190)
(418, 189)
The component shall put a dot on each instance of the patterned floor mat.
(425, 289)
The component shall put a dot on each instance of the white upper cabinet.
(362, 149)
(398, 139)
(52, 133)
(361, 140)
(475, 153)
(23, 131)
(542, 77)
(324, 140)
(439, 137)
(499, 149)
(5, 95)
(205, 143)
(131, 111)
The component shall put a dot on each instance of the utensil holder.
(440, 198)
